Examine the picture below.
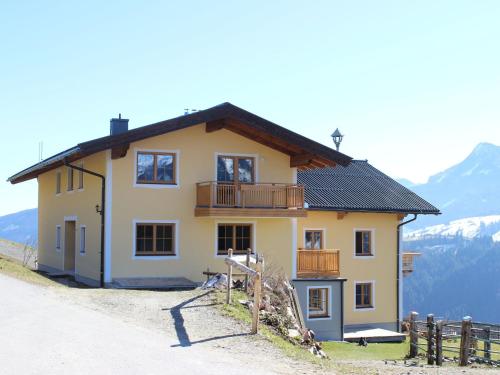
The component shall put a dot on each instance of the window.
(155, 239)
(80, 177)
(156, 168)
(313, 240)
(234, 236)
(364, 295)
(318, 305)
(70, 178)
(58, 182)
(58, 237)
(363, 243)
(83, 239)
(232, 169)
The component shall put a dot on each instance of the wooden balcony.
(262, 200)
(408, 258)
(318, 263)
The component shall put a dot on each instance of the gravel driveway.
(93, 331)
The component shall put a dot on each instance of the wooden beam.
(301, 160)
(212, 126)
(119, 151)
(341, 215)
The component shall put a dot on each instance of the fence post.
(229, 277)
(256, 298)
(439, 343)
(247, 263)
(465, 337)
(430, 338)
(487, 343)
(413, 334)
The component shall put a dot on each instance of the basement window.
(318, 305)
(155, 239)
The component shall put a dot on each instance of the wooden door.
(69, 245)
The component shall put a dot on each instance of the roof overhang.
(304, 153)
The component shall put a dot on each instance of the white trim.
(157, 186)
(365, 257)
(159, 257)
(294, 175)
(361, 309)
(108, 223)
(294, 247)
(330, 301)
(317, 230)
(254, 156)
(234, 221)
(58, 233)
(84, 240)
(71, 218)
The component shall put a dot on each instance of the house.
(169, 199)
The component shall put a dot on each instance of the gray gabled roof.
(359, 187)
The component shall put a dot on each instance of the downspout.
(398, 279)
(101, 212)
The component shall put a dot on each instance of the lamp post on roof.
(337, 138)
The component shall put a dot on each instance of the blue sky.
(413, 85)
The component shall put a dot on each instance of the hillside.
(467, 189)
(20, 227)
(454, 277)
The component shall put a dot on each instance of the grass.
(374, 351)
(15, 269)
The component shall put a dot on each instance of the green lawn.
(374, 351)
(15, 269)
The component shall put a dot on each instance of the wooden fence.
(437, 337)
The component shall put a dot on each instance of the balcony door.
(232, 171)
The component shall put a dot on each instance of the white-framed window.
(155, 239)
(364, 295)
(319, 302)
(238, 235)
(80, 177)
(58, 237)
(364, 243)
(156, 169)
(314, 238)
(58, 182)
(236, 168)
(83, 239)
(69, 172)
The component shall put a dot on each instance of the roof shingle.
(359, 187)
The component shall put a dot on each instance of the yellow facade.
(379, 269)
(277, 238)
(77, 205)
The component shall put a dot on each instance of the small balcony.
(318, 263)
(262, 199)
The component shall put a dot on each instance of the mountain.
(454, 277)
(20, 227)
(469, 228)
(467, 189)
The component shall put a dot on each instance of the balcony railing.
(224, 195)
(318, 263)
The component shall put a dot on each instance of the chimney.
(118, 125)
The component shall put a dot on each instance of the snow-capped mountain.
(471, 227)
(468, 189)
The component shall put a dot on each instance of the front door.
(69, 245)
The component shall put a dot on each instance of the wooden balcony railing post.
(413, 334)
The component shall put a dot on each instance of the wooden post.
(465, 340)
(256, 298)
(487, 343)
(247, 263)
(413, 334)
(439, 343)
(430, 338)
(229, 276)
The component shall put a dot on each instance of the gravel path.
(64, 330)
